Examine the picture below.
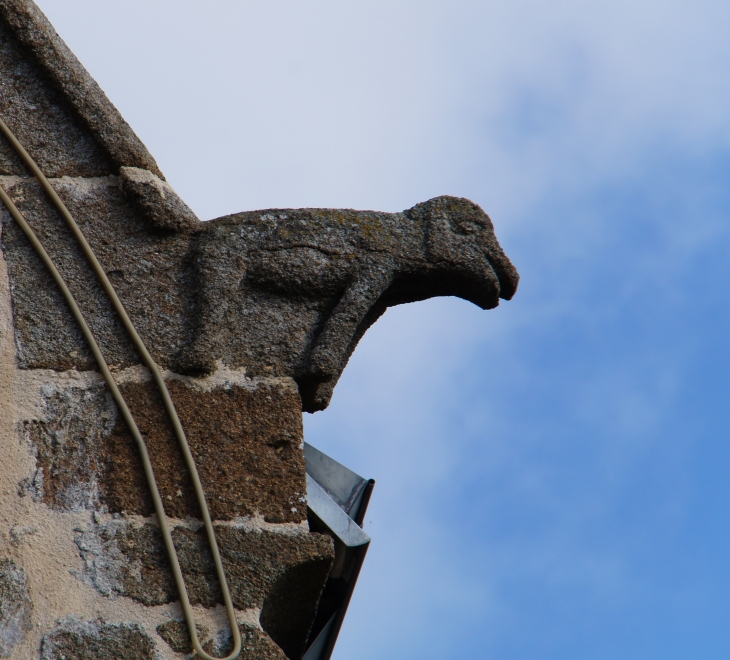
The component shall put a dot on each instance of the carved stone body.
(292, 291)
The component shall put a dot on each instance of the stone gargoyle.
(295, 290)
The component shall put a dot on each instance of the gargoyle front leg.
(220, 267)
(335, 342)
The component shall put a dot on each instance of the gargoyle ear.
(447, 242)
(453, 227)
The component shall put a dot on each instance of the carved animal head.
(463, 252)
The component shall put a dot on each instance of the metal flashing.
(337, 501)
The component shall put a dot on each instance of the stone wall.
(83, 569)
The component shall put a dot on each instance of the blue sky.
(551, 474)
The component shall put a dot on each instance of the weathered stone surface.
(71, 446)
(66, 122)
(177, 635)
(158, 201)
(128, 561)
(246, 441)
(256, 561)
(42, 118)
(255, 645)
(74, 639)
(15, 606)
(279, 292)
(280, 296)
(145, 266)
(122, 559)
(247, 445)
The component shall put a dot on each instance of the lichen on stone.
(15, 606)
(122, 559)
(75, 639)
(69, 446)
(255, 645)
(246, 441)
(176, 633)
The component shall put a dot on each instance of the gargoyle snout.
(460, 233)
(506, 273)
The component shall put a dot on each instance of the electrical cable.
(126, 414)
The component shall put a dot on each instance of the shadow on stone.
(255, 645)
(122, 559)
(291, 605)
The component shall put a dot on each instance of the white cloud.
(544, 113)
(255, 104)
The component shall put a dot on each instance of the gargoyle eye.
(467, 226)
